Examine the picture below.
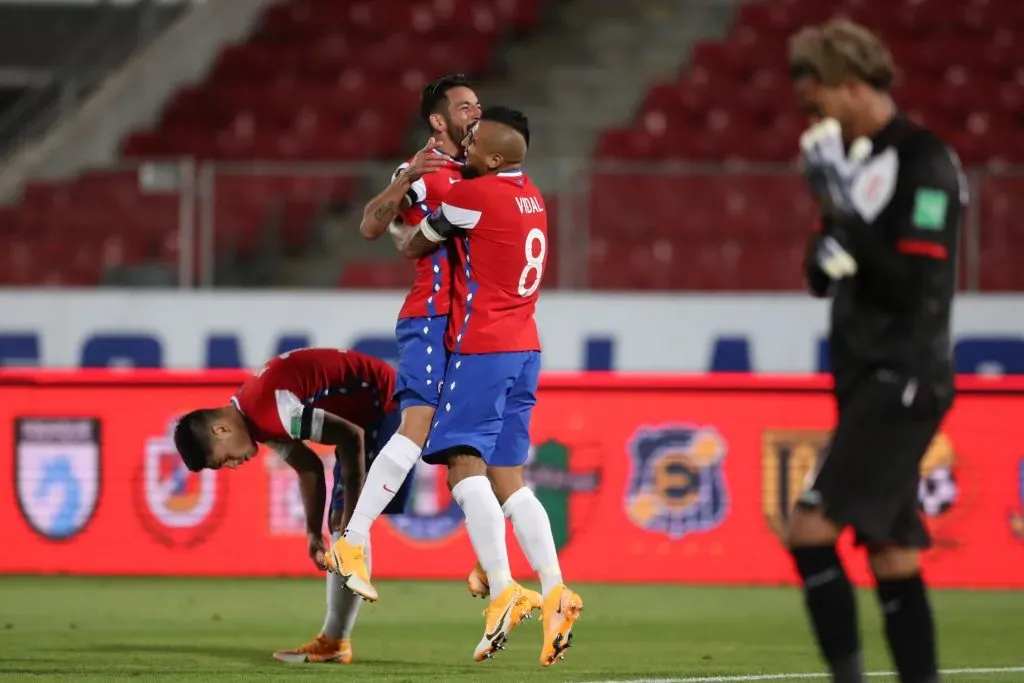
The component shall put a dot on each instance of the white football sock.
(533, 531)
(486, 526)
(342, 604)
(387, 474)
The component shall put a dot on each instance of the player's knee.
(808, 526)
(505, 481)
(415, 423)
(463, 466)
(889, 561)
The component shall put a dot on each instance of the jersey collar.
(449, 157)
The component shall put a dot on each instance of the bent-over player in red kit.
(327, 396)
(497, 221)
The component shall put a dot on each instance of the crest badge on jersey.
(1017, 516)
(179, 508)
(677, 485)
(788, 461)
(57, 473)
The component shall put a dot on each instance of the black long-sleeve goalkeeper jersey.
(894, 314)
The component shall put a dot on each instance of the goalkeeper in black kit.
(892, 195)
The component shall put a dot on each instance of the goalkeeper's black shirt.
(894, 314)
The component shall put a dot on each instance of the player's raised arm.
(406, 189)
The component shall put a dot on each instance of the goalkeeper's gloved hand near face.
(830, 172)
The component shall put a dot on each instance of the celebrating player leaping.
(449, 107)
(497, 223)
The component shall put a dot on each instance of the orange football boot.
(349, 562)
(480, 588)
(321, 650)
(503, 614)
(562, 608)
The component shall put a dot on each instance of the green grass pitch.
(168, 630)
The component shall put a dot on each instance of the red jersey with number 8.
(501, 260)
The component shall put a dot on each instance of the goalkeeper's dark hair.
(513, 118)
(435, 93)
(192, 438)
(839, 49)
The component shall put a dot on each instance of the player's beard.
(469, 172)
(457, 135)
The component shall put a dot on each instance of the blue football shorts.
(421, 360)
(485, 408)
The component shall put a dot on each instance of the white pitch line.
(794, 677)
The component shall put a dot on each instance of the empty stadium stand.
(329, 81)
(961, 72)
(52, 55)
(319, 80)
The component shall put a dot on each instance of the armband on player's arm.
(308, 424)
(389, 204)
(439, 226)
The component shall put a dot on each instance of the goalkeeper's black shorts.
(868, 476)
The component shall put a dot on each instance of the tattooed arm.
(406, 189)
(385, 207)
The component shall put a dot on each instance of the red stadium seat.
(318, 80)
(960, 72)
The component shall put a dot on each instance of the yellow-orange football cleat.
(562, 608)
(478, 587)
(321, 650)
(503, 614)
(349, 562)
(529, 601)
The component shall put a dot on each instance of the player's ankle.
(356, 537)
(550, 579)
(498, 582)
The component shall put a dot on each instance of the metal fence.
(612, 225)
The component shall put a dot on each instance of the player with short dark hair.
(448, 106)
(892, 196)
(327, 396)
(497, 223)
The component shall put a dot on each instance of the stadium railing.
(235, 224)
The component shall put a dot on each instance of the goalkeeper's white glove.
(829, 170)
(833, 259)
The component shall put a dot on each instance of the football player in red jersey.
(327, 396)
(498, 223)
(449, 107)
